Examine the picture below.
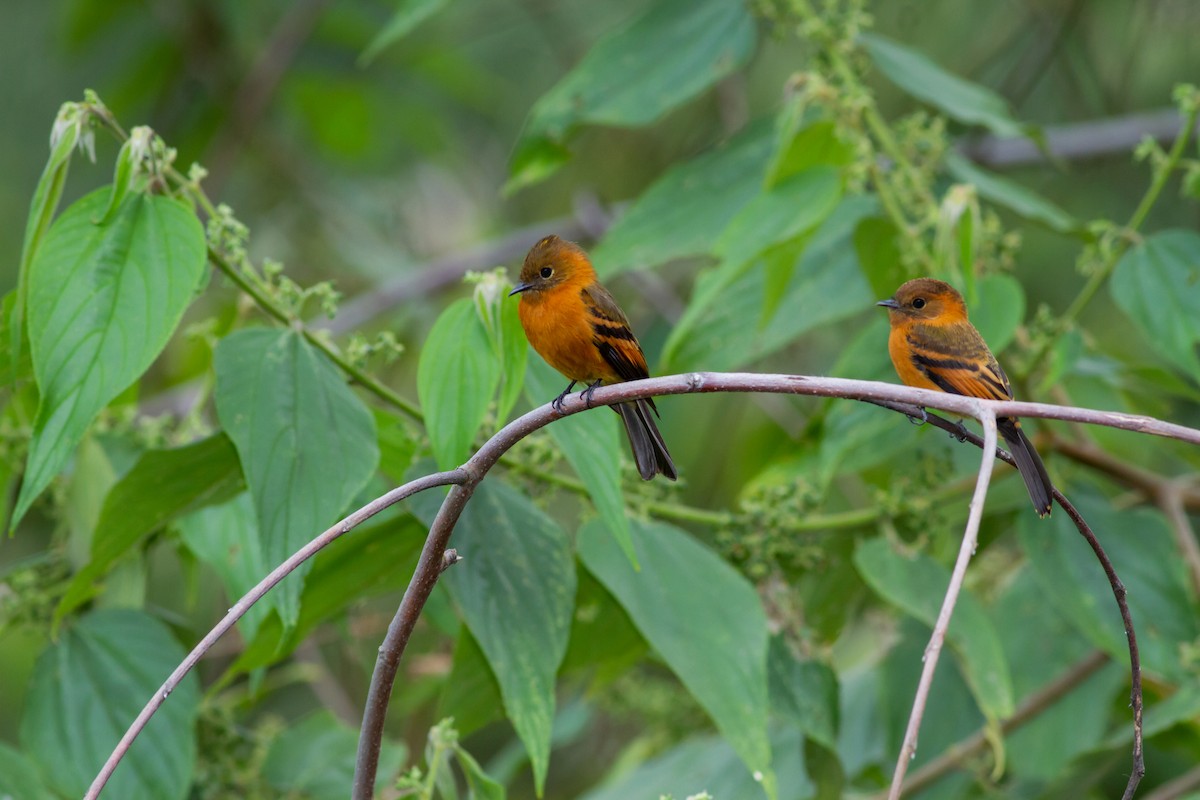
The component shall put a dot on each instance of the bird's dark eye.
(919, 302)
(547, 272)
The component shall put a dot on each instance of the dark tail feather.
(1029, 464)
(649, 450)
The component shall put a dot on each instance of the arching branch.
(433, 559)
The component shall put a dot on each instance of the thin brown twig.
(934, 649)
(1033, 705)
(249, 599)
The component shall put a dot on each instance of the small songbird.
(934, 346)
(574, 323)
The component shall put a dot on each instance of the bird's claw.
(587, 393)
(557, 403)
(919, 420)
(961, 431)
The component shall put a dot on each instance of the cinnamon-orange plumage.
(574, 323)
(934, 346)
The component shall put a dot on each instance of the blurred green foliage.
(184, 406)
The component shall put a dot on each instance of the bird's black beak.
(889, 303)
(520, 287)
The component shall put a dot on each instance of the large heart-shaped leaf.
(306, 442)
(102, 302)
(89, 685)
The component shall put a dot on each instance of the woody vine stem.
(435, 558)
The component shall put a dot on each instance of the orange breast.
(901, 353)
(557, 327)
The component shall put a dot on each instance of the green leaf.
(591, 443)
(470, 693)
(1141, 546)
(1157, 285)
(306, 442)
(480, 785)
(633, 76)
(709, 764)
(502, 323)
(720, 334)
(397, 443)
(515, 358)
(916, 585)
(1000, 309)
(19, 779)
(604, 642)
(536, 159)
(226, 538)
(1011, 195)
(1040, 645)
(89, 686)
(804, 691)
(456, 378)
(685, 210)
(92, 476)
(42, 206)
(103, 301)
(408, 15)
(723, 661)
(361, 564)
(957, 715)
(316, 757)
(803, 145)
(515, 589)
(1181, 707)
(122, 176)
(782, 214)
(162, 485)
(857, 436)
(960, 99)
(879, 255)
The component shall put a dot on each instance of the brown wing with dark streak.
(957, 360)
(612, 335)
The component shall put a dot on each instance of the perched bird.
(934, 346)
(574, 323)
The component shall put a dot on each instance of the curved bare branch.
(901, 398)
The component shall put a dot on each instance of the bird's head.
(553, 262)
(925, 300)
